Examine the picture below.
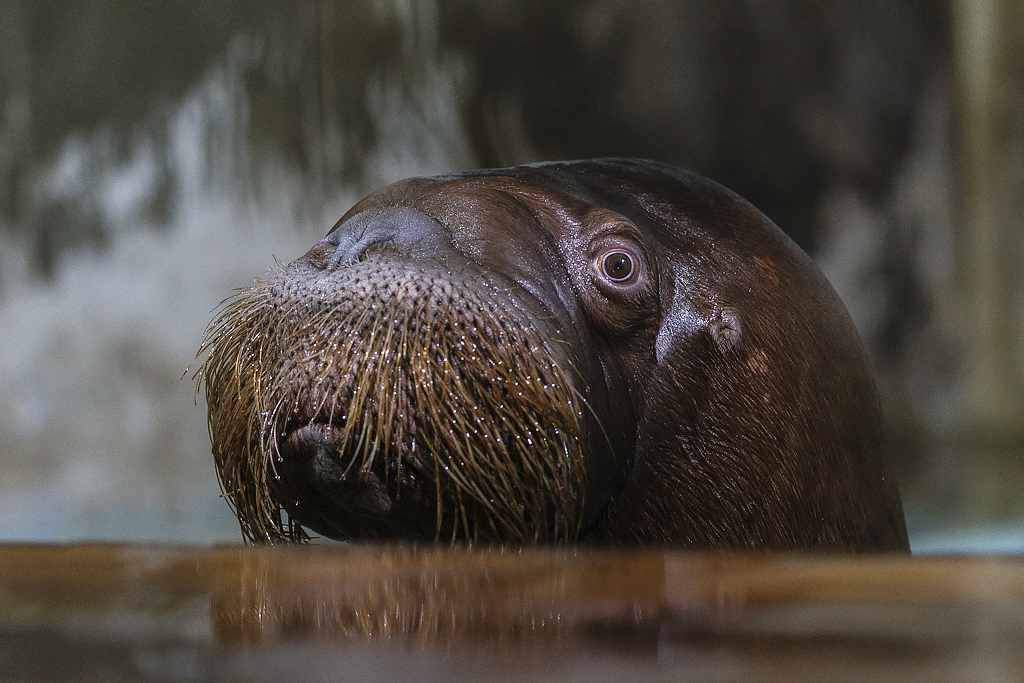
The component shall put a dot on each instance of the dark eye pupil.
(618, 265)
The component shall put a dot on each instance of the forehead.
(501, 207)
(494, 205)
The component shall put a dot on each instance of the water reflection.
(441, 598)
(397, 613)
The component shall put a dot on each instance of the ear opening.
(726, 330)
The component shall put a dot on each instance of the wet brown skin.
(717, 395)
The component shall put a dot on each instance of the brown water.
(159, 613)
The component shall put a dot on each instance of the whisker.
(479, 404)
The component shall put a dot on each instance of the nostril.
(350, 250)
(404, 229)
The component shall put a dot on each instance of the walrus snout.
(396, 396)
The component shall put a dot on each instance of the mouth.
(320, 486)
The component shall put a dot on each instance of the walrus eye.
(617, 265)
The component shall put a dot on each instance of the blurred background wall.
(154, 156)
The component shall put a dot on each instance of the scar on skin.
(767, 268)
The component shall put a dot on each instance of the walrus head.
(611, 350)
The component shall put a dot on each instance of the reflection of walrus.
(611, 351)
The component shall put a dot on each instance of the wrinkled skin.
(690, 377)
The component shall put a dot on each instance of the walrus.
(608, 351)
